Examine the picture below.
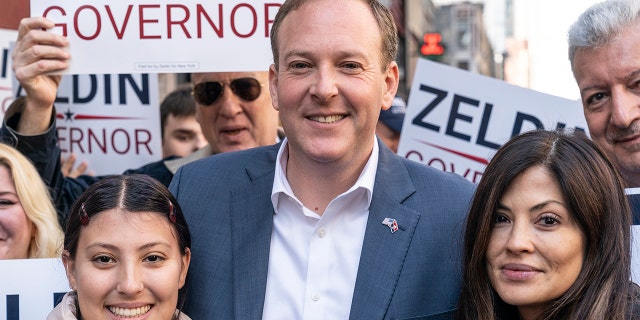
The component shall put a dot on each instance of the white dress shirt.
(313, 260)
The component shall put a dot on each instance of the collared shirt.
(313, 260)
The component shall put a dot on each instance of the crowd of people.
(284, 198)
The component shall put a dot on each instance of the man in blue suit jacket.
(328, 224)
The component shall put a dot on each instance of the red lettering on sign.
(200, 12)
(119, 33)
(104, 140)
(242, 19)
(233, 20)
(62, 25)
(76, 27)
(125, 136)
(75, 140)
(412, 153)
(268, 21)
(181, 23)
(442, 165)
(143, 138)
(141, 10)
(93, 138)
(5, 104)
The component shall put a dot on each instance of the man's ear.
(273, 86)
(392, 80)
(69, 267)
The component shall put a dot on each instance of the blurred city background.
(520, 41)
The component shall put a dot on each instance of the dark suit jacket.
(412, 273)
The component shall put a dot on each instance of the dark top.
(44, 153)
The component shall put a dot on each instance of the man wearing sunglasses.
(233, 109)
(330, 223)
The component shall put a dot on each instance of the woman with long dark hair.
(548, 234)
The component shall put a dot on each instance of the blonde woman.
(29, 225)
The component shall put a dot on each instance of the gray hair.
(601, 23)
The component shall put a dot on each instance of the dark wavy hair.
(595, 193)
(132, 194)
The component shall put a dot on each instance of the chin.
(237, 147)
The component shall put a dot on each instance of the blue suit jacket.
(413, 273)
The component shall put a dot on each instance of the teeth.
(129, 313)
(328, 119)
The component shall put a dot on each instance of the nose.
(199, 142)
(625, 108)
(520, 238)
(130, 280)
(229, 104)
(324, 87)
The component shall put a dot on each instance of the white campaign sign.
(29, 287)
(456, 120)
(108, 36)
(635, 253)
(6, 74)
(110, 120)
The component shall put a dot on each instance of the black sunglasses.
(206, 93)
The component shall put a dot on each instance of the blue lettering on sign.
(13, 307)
(5, 62)
(143, 94)
(419, 119)
(13, 304)
(456, 116)
(124, 80)
(57, 298)
(484, 124)
(76, 90)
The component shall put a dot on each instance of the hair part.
(595, 194)
(131, 194)
(600, 24)
(382, 15)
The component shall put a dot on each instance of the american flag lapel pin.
(391, 223)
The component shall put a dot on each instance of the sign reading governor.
(164, 21)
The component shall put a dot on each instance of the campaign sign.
(635, 253)
(110, 120)
(456, 120)
(6, 74)
(633, 194)
(108, 36)
(30, 288)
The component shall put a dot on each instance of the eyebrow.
(626, 78)
(115, 248)
(535, 207)
(183, 130)
(307, 54)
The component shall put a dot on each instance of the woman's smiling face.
(16, 230)
(127, 265)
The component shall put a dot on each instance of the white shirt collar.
(281, 184)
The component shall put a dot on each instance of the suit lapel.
(251, 226)
(383, 252)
